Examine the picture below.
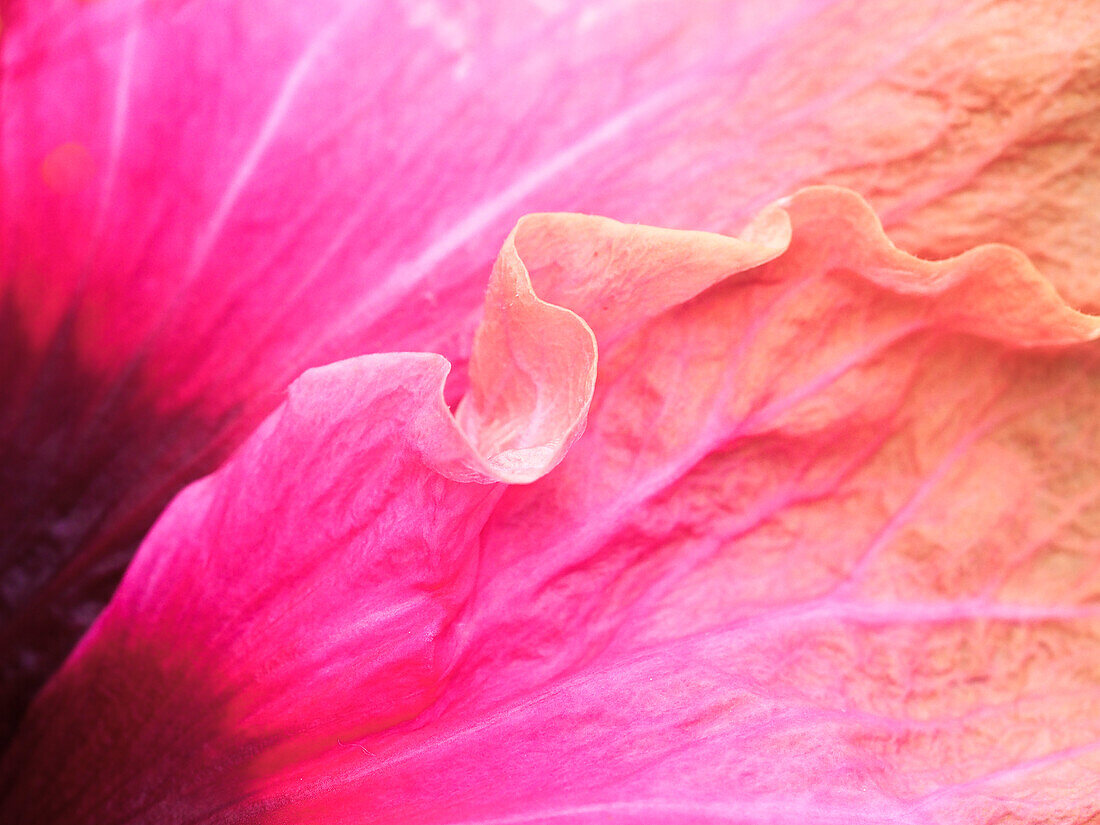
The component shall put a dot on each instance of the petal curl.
(827, 551)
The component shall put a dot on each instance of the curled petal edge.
(564, 283)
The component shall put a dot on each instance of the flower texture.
(773, 522)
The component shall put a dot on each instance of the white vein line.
(275, 116)
(118, 124)
(492, 209)
(407, 273)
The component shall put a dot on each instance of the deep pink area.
(825, 551)
(384, 569)
(71, 454)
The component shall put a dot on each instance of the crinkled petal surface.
(204, 197)
(827, 550)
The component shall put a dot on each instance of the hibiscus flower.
(768, 523)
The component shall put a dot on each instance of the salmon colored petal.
(202, 198)
(827, 551)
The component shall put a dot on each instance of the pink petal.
(201, 199)
(827, 551)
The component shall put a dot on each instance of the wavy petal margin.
(827, 551)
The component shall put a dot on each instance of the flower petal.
(826, 551)
(202, 199)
